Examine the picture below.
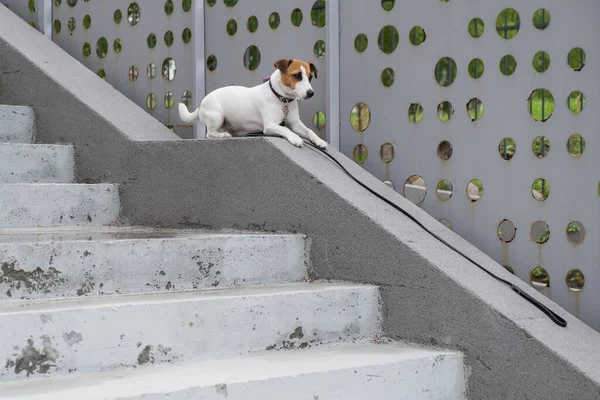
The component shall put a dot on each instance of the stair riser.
(31, 205)
(36, 163)
(17, 124)
(113, 337)
(425, 379)
(91, 268)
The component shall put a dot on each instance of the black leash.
(557, 319)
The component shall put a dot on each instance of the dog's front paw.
(296, 140)
(320, 143)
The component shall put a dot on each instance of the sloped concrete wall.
(429, 294)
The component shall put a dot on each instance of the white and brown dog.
(271, 107)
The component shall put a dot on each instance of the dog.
(271, 107)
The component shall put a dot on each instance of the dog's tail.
(186, 116)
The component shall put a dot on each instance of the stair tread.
(57, 305)
(34, 145)
(210, 373)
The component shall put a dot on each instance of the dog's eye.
(310, 78)
(298, 76)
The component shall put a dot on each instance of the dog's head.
(296, 75)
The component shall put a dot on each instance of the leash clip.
(286, 111)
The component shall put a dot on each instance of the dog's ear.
(283, 64)
(313, 69)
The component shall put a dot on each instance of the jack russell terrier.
(270, 108)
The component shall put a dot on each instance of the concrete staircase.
(92, 310)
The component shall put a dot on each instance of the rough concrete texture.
(430, 294)
(62, 336)
(143, 262)
(57, 204)
(358, 372)
(18, 124)
(30, 163)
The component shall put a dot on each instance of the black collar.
(280, 97)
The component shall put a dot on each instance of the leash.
(557, 319)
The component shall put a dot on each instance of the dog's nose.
(310, 94)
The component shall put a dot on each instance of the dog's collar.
(280, 97)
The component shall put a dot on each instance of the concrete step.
(54, 337)
(30, 163)
(69, 263)
(17, 124)
(57, 204)
(348, 372)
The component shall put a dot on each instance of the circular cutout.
(117, 16)
(317, 13)
(360, 117)
(509, 269)
(133, 13)
(417, 36)
(117, 45)
(541, 19)
(444, 190)
(186, 5)
(169, 69)
(576, 102)
(475, 109)
(445, 222)
(541, 61)
(576, 59)
(211, 62)
(151, 40)
(388, 77)
(445, 111)
(231, 27)
(541, 104)
(415, 113)
(507, 148)
(388, 5)
(476, 68)
(297, 17)
(540, 146)
(474, 190)
(31, 5)
(169, 99)
(71, 3)
(319, 120)
(169, 7)
(274, 20)
(151, 71)
(576, 145)
(133, 73)
(476, 28)
(540, 232)
(87, 49)
(445, 71)
(102, 73)
(186, 35)
(506, 231)
(444, 150)
(540, 190)
(539, 277)
(87, 22)
(151, 101)
(211, 3)
(230, 3)
(389, 184)
(388, 39)
(575, 232)
(186, 98)
(170, 126)
(508, 65)
(508, 23)
(319, 49)
(415, 189)
(57, 26)
(102, 47)
(360, 153)
(57, 3)
(361, 42)
(169, 37)
(71, 24)
(575, 280)
(252, 58)
(252, 24)
(387, 153)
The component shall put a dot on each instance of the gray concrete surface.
(18, 124)
(31, 163)
(430, 294)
